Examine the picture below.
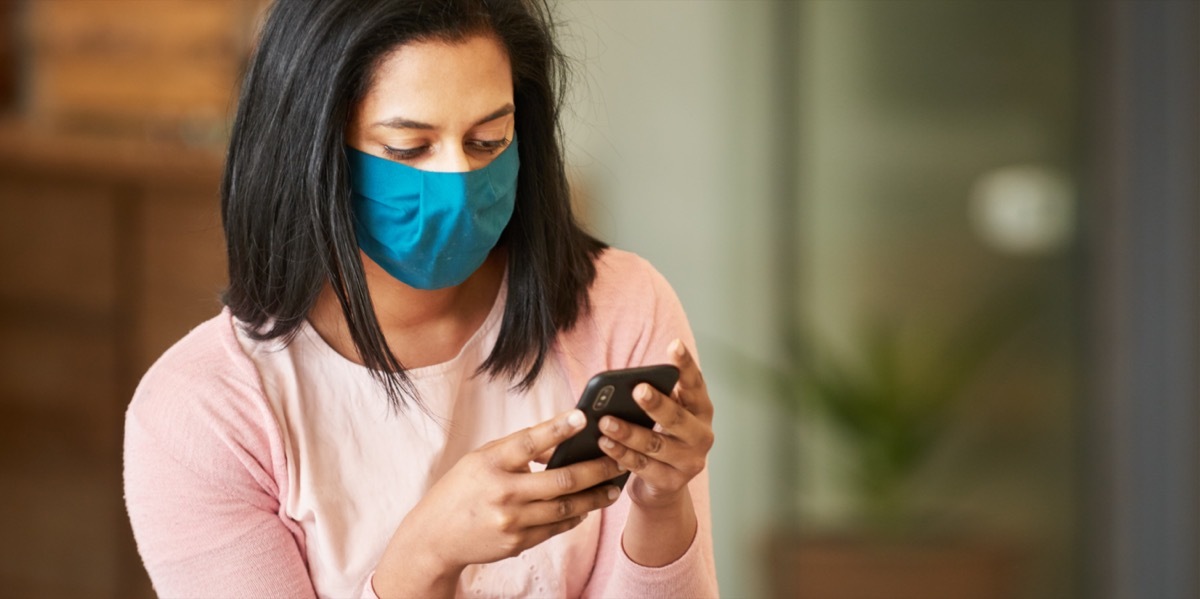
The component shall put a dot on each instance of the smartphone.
(611, 393)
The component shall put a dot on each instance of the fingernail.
(677, 348)
(613, 493)
(607, 443)
(576, 419)
(610, 424)
(642, 392)
(621, 467)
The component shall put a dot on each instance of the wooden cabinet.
(898, 567)
(122, 64)
(109, 252)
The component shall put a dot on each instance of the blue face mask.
(431, 230)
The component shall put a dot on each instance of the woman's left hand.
(666, 458)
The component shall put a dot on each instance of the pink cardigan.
(205, 466)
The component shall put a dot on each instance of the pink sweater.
(264, 470)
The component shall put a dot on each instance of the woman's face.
(438, 106)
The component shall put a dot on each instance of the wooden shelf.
(27, 147)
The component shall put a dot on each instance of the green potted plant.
(891, 414)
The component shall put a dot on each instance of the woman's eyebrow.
(505, 110)
(403, 123)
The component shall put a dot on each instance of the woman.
(412, 311)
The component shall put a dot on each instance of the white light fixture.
(1025, 209)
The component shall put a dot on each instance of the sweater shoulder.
(624, 281)
(203, 402)
(628, 301)
(208, 362)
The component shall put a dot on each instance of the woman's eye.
(404, 153)
(488, 146)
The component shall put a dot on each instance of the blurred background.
(941, 258)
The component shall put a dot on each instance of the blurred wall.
(670, 133)
(1143, 335)
(907, 110)
(819, 162)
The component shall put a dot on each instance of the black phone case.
(585, 445)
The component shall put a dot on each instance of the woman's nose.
(451, 159)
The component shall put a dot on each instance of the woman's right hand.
(489, 506)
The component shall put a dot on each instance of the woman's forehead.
(441, 83)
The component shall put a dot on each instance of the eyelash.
(484, 146)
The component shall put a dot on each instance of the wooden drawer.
(60, 527)
(57, 248)
(183, 256)
(57, 364)
(134, 61)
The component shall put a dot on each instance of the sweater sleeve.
(648, 317)
(203, 468)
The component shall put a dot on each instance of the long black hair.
(285, 196)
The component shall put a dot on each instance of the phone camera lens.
(602, 397)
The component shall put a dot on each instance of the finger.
(671, 417)
(544, 457)
(659, 474)
(689, 371)
(568, 506)
(515, 451)
(654, 444)
(691, 390)
(538, 534)
(557, 482)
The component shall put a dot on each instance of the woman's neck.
(422, 327)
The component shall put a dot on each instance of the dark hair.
(285, 196)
